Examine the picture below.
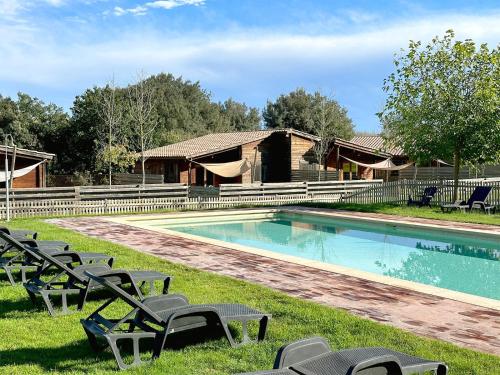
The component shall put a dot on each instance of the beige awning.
(19, 172)
(385, 165)
(231, 169)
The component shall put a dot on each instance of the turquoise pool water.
(447, 260)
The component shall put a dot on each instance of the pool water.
(442, 259)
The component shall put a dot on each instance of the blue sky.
(250, 50)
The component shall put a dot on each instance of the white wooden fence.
(60, 207)
(398, 191)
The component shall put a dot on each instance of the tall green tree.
(32, 123)
(298, 110)
(443, 102)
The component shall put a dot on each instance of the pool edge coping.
(387, 280)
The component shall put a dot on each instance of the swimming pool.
(457, 262)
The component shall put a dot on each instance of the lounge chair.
(314, 357)
(63, 275)
(155, 318)
(476, 201)
(425, 199)
(20, 234)
(25, 257)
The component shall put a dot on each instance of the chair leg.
(262, 328)
(8, 272)
(136, 352)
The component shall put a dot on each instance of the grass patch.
(423, 212)
(33, 342)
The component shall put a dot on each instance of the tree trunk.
(456, 173)
(143, 170)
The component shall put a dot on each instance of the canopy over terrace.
(29, 167)
(385, 165)
(230, 169)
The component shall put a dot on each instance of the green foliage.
(32, 123)
(299, 110)
(182, 110)
(35, 343)
(443, 101)
(120, 157)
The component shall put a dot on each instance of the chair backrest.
(430, 191)
(44, 256)
(291, 354)
(115, 281)
(5, 230)
(428, 194)
(479, 194)
(382, 365)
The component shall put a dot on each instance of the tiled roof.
(212, 143)
(29, 153)
(376, 142)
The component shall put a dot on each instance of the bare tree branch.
(142, 102)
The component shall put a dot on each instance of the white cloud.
(169, 4)
(55, 3)
(11, 7)
(249, 65)
(141, 10)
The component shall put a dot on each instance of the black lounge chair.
(476, 200)
(26, 257)
(64, 274)
(425, 199)
(314, 357)
(20, 234)
(154, 318)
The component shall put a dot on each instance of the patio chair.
(155, 318)
(26, 257)
(425, 199)
(20, 234)
(476, 200)
(314, 357)
(64, 274)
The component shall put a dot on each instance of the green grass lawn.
(424, 212)
(32, 342)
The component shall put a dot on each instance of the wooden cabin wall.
(253, 153)
(301, 148)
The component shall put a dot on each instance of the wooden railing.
(97, 192)
(299, 175)
(436, 173)
(311, 189)
(398, 191)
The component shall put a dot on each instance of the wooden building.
(363, 149)
(272, 156)
(33, 165)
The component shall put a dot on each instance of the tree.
(30, 121)
(142, 105)
(443, 102)
(328, 120)
(297, 109)
(111, 115)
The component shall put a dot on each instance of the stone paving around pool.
(445, 319)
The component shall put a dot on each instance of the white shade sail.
(19, 172)
(385, 165)
(231, 169)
